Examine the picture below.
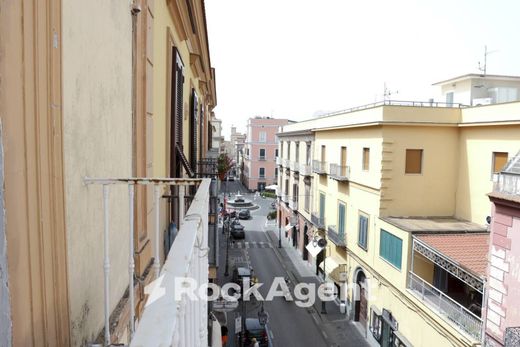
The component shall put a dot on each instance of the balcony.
(285, 163)
(337, 238)
(278, 161)
(339, 172)
(318, 220)
(285, 197)
(261, 158)
(451, 310)
(305, 170)
(294, 166)
(166, 320)
(293, 205)
(319, 167)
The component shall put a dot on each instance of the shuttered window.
(363, 231)
(366, 158)
(322, 207)
(341, 221)
(193, 128)
(499, 161)
(391, 248)
(413, 161)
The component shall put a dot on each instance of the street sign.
(224, 305)
(238, 324)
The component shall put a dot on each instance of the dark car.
(253, 328)
(244, 214)
(237, 229)
(239, 273)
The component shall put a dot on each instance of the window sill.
(363, 248)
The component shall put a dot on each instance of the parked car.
(237, 229)
(244, 214)
(239, 273)
(253, 328)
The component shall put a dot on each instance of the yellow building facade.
(390, 182)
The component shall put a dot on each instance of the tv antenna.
(483, 68)
(387, 93)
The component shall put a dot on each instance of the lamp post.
(323, 243)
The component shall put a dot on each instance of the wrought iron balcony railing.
(337, 238)
(317, 220)
(340, 172)
(168, 319)
(305, 170)
(285, 163)
(319, 167)
(293, 204)
(449, 309)
(294, 166)
(261, 158)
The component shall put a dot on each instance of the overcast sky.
(295, 58)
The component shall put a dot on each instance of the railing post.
(131, 264)
(106, 263)
(156, 261)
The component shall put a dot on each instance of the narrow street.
(289, 324)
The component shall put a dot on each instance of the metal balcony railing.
(293, 204)
(337, 238)
(261, 158)
(285, 163)
(285, 197)
(278, 161)
(445, 306)
(319, 167)
(167, 320)
(317, 220)
(305, 170)
(294, 166)
(339, 172)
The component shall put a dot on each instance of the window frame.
(366, 151)
(367, 217)
(493, 161)
(342, 225)
(384, 256)
(260, 175)
(262, 136)
(420, 163)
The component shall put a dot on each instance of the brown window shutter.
(413, 161)
(499, 161)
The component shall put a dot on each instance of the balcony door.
(343, 162)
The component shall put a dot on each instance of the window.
(289, 150)
(375, 325)
(449, 98)
(341, 221)
(307, 197)
(262, 136)
(363, 231)
(499, 161)
(366, 158)
(276, 152)
(343, 157)
(323, 153)
(262, 172)
(262, 154)
(413, 161)
(286, 187)
(391, 248)
(297, 152)
(308, 153)
(281, 147)
(322, 207)
(275, 173)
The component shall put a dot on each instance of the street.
(289, 324)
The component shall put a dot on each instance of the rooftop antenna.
(483, 68)
(387, 93)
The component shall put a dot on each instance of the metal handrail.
(320, 167)
(460, 316)
(397, 103)
(341, 172)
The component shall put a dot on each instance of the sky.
(298, 58)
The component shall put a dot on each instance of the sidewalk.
(336, 327)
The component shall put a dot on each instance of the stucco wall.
(97, 128)
(5, 304)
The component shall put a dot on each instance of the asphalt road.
(290, 325)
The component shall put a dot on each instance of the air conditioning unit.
(482, 101)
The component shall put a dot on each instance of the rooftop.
(474, 75)
(466, 250)
(435, 225)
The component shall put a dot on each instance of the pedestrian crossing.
(250, 244)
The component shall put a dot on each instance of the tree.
(224, 164)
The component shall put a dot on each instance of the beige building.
(399, 192)
(74, 104)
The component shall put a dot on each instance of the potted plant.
(223, 165)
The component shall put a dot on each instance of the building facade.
(76, 114)
(399, 192)
(260, 151)
(502, 319)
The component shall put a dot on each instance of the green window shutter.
(391, 248)
(341, 221)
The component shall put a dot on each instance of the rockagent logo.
(303, 294)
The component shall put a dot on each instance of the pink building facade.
(502, 320)
(260, 152)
